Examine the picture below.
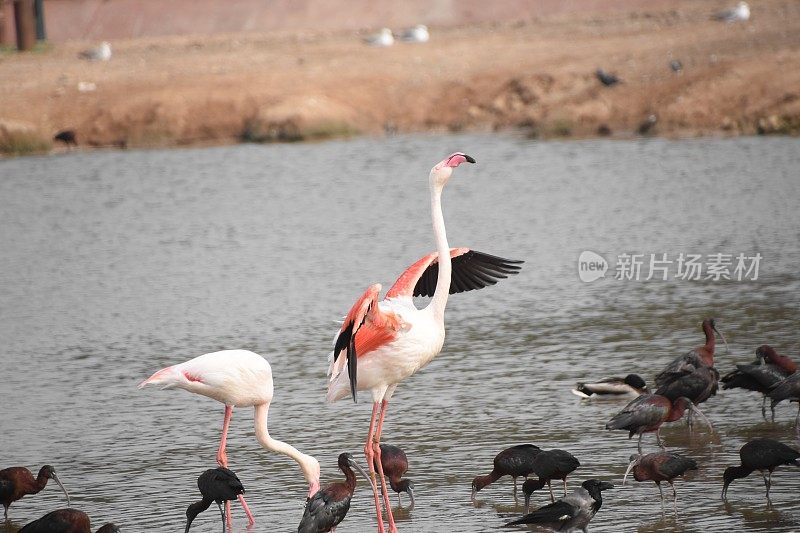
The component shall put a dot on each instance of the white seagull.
(739, 14)
(98, 53)
(417, 34)
(382, 38)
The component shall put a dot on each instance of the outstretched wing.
(365, 328)
(471, 270)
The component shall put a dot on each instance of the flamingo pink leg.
(369, 454)
(222, 460)
(377, 450)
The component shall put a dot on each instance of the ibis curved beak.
(358, 467)
(721, 336)
(58, 481)
(628, 471)
(411, 497)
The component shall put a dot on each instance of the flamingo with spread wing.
(383, 342)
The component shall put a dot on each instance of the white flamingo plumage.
(381, 343)
(236, 378)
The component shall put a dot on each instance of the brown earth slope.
(536, 74)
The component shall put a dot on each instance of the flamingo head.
(444, 168)
(310, 467)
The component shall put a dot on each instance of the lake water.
(115, 264)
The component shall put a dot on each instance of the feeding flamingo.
(381, 343)
(237, 378)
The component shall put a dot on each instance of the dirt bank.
(535, 74)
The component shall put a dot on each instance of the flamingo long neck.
(439, 300)
(308, 464)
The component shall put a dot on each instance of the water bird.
(18, 481)
(66, 521)
(606, 78)
(516, 461)
(328, 507)
(788, 389)
(547, 466)
(694, 358)
(383, 38)
(648, 412)
(237, 378)
(395, 464)
(217, 485)
(572, 512)
(417, 34)
(632, 384)
(97, 53)
(67, 137)
(760, 376)
(740, 13)
(381, 343)
(692, 375)
(658, 467)
(761, 455)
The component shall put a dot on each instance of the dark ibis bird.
(694, 358)
(217, 485)
(328, 507)
(606, 78)
(788, 389)
(17, 481)
(65, 521)
(631, 385)
(658, 467)
(571, 512)
(648, 412)
(515, 461)
(395, 464)
(762, 455)
(547, 466)
(760, 377)
(692, 375)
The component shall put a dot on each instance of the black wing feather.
(472, 270)
(549, 514)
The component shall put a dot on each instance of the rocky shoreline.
(537, 76)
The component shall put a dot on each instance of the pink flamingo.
(381, 343)
(237, 378)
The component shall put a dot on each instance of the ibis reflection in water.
(18, 481)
